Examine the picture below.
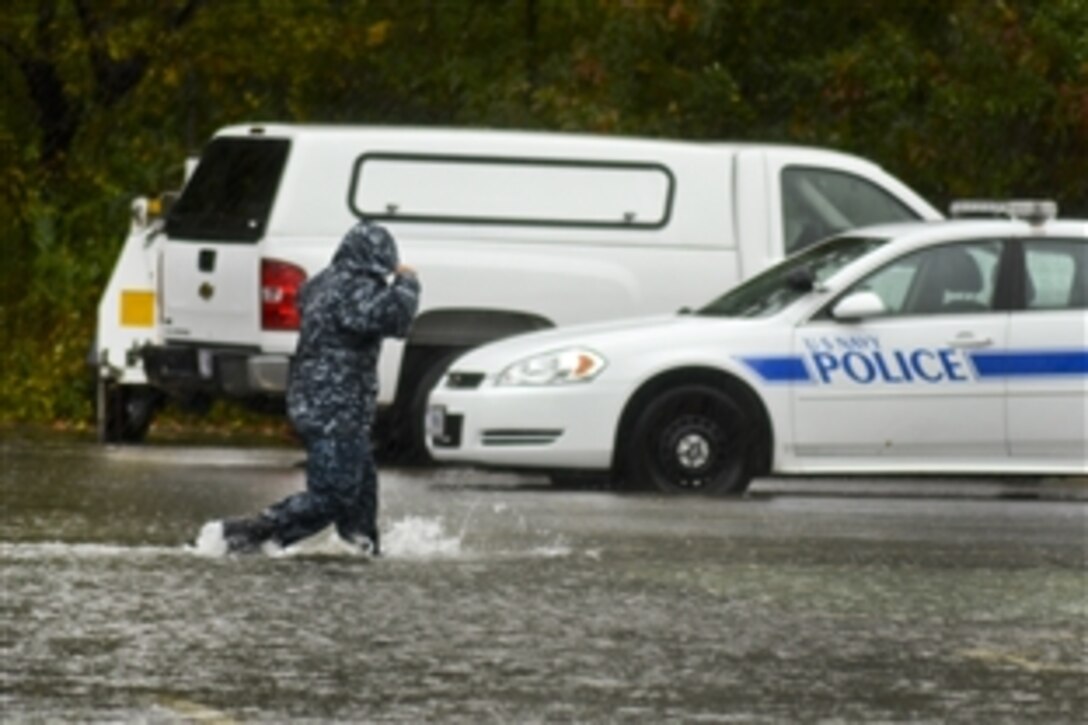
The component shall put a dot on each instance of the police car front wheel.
(691, 439)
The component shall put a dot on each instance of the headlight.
(573, 365)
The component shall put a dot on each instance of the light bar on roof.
(1034, 211)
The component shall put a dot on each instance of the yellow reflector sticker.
(137, 308)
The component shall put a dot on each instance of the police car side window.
(952, 279)
(1057, 274)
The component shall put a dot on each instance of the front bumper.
(229, 371)
(560, 427)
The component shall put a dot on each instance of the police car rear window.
(777, 287)
(232, 191)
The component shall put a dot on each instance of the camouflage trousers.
(341, 489)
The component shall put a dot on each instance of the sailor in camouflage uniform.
(347, 309)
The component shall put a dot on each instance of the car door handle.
(969, 342)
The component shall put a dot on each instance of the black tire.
(128, 412)
(692, 439)
(402, 438)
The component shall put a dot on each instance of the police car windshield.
(777, 287)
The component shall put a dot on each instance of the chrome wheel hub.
(692, 451)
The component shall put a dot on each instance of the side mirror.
(858, 306)
(801, 280)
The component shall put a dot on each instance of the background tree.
(101, 100)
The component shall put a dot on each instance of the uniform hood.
(368, 248)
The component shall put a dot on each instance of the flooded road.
(503, 600)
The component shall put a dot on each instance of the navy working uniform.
(347, 309)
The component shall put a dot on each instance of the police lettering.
(885, 366)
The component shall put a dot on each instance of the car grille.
(528, 437)
(464, 381)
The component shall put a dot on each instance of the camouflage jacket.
(347, 309)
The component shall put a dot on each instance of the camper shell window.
(511, 191)
(232, 191)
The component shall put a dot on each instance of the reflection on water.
(501, 601)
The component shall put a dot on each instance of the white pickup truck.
(510, 232)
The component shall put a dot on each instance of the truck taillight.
(280, 284)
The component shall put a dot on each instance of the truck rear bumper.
(234, 372)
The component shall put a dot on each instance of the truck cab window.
(817, 203)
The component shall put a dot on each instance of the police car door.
(1046, 366)
(898, 386)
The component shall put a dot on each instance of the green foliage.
(101, 101)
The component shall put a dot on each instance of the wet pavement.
(501, 599)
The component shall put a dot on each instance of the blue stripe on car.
(779, 369)
(1030, 364)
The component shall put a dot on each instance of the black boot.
(367, 545)
(246, 535)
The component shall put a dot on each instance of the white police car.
(955, 347)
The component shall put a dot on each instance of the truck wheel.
(402, 438)
(693, 439)
(127, 412)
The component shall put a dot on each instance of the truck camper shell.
(510, 232)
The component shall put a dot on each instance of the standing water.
(499, 599)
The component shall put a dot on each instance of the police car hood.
(608, 338)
